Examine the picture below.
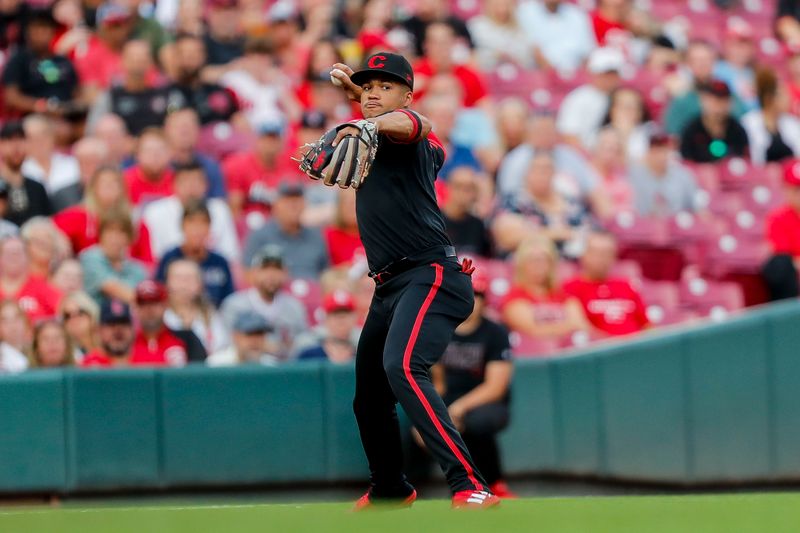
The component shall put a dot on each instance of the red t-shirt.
(142, 190)
(96, 358)
(602, 27)
(246, 173)
(471, 81)
(165, 350)
(612, 306)
(342, 245)
(37, 298)
(783, 231)
(549, 308)
(81, 227)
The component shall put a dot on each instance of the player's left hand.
(467, 267)
(344, 132)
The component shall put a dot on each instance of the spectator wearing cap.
(115, 337)
(182, 130)
(108, 271)
(543, 136)
(251, 343)
(612, 306)
(164, 217)
(499, 37)
(467, 232)
(474, 378)
(304, 252)
(15, 337)
(190, 309)
(440, 38)
(7, 228)
(151, 178)
(155, 344)
(212, 102)
(780, 272)
(251, 177)
(335, 340)
(536, 304)
(134, 96)
(583, 110)
(429, 12)
(90, 154)
(27, 197)
(268, 298)
(342, 237)
(735, 67)
(35, 79)
(217, 278)
(223, 37)
(700, 58)
(80, 315)
(35, 295)
(105, 192)
(661, 185)
(44, 163)
(259, 84)
(773, 132)
(546, 22)
(715, 134)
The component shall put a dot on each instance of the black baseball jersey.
(396, 205)
(465, 359)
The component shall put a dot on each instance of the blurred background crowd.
(612, 166)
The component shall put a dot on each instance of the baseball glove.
(348, 163)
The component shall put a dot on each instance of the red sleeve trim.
(436, 143)
(416, 122)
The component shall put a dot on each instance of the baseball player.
(422, 292)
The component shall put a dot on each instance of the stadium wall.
(711, 404)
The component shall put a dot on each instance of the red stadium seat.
(627, 269)
(711, 298)
(763, 198)
(730, 254)
(737, 173)
(631, 229)
(665, 294)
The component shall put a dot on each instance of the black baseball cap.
(313, 119)
(386, 64)
(12, 130)
(115, 312)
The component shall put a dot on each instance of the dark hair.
(259, 45)
(193, 165)
(116, 219)
(642, 105)
(186, 36)
(309, 73)
(196, 208)
(767, 84)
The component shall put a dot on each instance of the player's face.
(382, 96)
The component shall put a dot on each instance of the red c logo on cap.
(372, 62)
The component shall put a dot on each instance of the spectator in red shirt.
(439, 41)
(612, 306)
(155, 344)
(536, 305)
(51, 346)
(783, 234)
(115, 335)
(105, 192)
(151, 177)
(251, 177)
(342, 236)
(36, 296)
(609, 21)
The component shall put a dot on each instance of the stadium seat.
(709, 297)
(730, 254)
(762, 198)
(665, 294)
(631, 229)
(737, 173)
(627, 269)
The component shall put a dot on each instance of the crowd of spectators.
(151, 213)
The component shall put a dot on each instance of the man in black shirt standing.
(715, 134)
(468, 232)
(422, 292)
(27, 198)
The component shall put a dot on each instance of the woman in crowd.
(628, 115)
(80, 315)
(189, 309)
(51, 346)
(46, 245)
(536, 306)
(773, 132)
(106, 191)
(15, 332)
(608, 161)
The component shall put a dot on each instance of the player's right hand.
(352, 90)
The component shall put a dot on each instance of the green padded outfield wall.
(710, 404)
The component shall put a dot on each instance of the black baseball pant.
(410, 322)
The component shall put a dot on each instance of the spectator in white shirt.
(163, 217)
(251, 343)
(773, 132)
(44, 164)
(560, 33)
(15, 330)
(583, 110)
(498, 36)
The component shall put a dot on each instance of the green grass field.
(767, 513)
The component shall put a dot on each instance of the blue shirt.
(217, 277)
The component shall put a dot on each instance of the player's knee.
(395, 371)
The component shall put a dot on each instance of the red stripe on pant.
(412, 340)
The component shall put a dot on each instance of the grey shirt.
(662, 195)
(97, 269)
(304, 254)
